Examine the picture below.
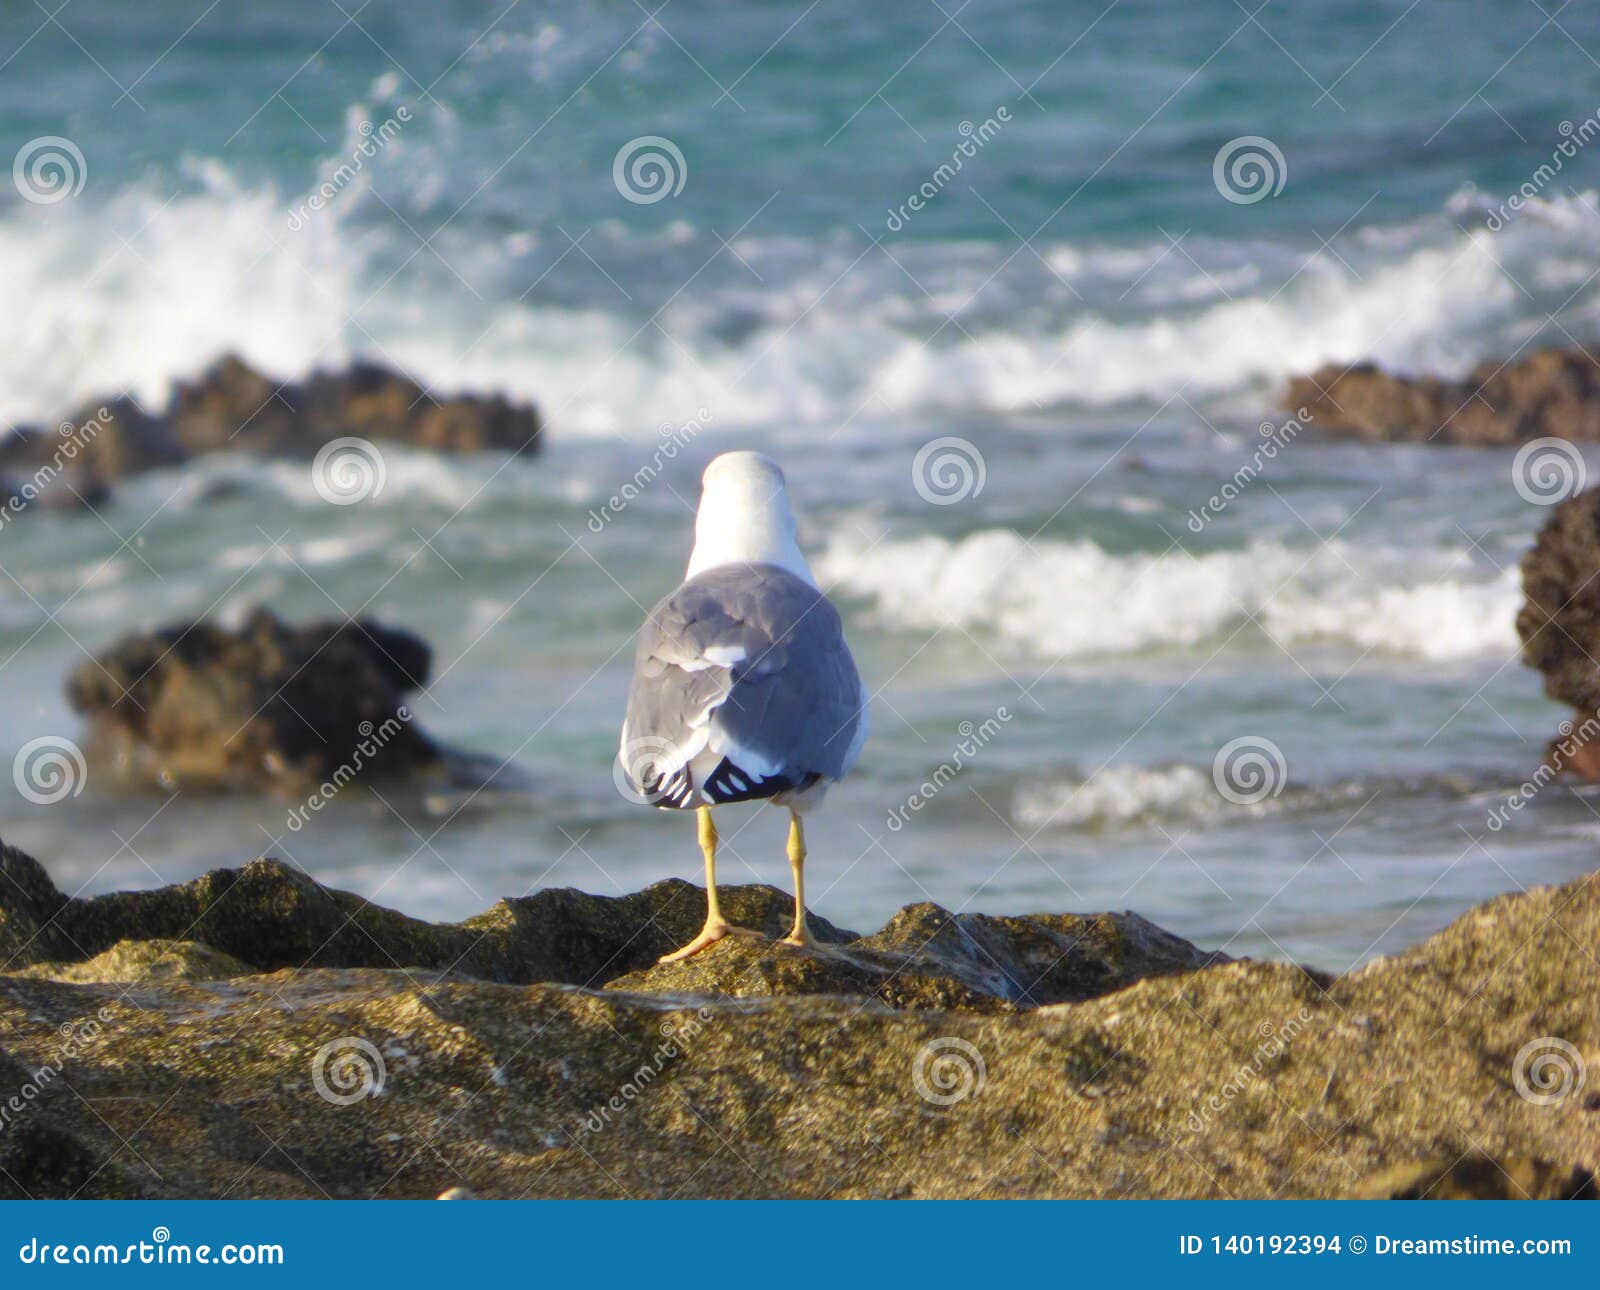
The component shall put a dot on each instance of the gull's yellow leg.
(716, 926)
(800, 934)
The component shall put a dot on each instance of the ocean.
(1011, 289)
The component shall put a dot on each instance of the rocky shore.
(231, 407)
(252, 1033)
(1550, 392)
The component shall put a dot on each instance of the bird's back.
(743, 688)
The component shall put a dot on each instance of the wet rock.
(1559, 626)
(231, 407)
(1200, 1079)
(1559, 622)
(41, 1157)
(73, 465)
(1553, 392)
(29, 906)
(198, 705)
(929, 958)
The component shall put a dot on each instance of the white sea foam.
(117, 297)
(1074, 599)
(1121, 796)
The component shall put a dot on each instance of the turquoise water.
(1079, 300)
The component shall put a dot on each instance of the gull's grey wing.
(743, 688)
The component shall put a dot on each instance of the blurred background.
(1010, 289)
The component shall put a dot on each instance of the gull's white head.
(745, 517)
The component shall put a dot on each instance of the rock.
(929, 958)
(1552, 392)
(268, 916)
(29, 907)
(1559, 626)
(197, 705)
(41, 1158)
(429, 1072)
(1479, 1177)
(134, 962)
(73, 465)
(231, 407)
(1559, 622)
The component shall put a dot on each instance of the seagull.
(743, 687)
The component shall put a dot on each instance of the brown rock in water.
(199, 705)
(1554, 392)
(403, 1071)
(233, 407)
(1559, 625)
